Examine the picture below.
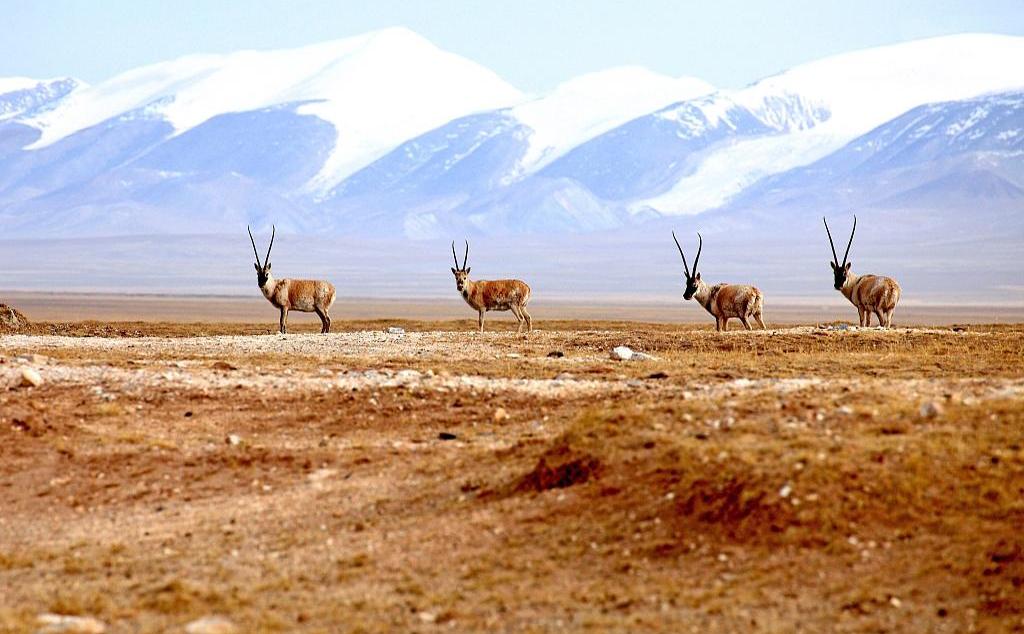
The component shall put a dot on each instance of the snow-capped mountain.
(376, 90)
(860, 91)
(943, 156)
(386, 134)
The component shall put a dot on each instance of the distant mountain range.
(385, 135)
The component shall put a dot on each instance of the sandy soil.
(797, 479)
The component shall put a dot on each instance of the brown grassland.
(800, 479)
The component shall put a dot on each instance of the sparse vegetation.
(763, 481)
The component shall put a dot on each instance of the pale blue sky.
(534, 44)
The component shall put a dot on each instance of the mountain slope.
(860, 91)
(940, 155)
(385, 134)
(377, 90)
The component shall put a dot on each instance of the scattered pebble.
(556, 354)
(223, 365)
(785, 491)
(500, 415)
(395, 330)
(52, 623)
(447, 436)
(931, 409)
(895, 602)
(233, 439)
(211, 625)
(622, 353)
(30, 378)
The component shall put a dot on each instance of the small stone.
(500, 415)
(223, 365)
(395, 330)
(846, 410)
(211, 625)
(785, 491)
(622, 353)
(233, 439)
(657, 375)
(556, 354)
(30, 378)
(895, 602)
(52, 623)
(931, 409)
(428, 617)
(447, 436)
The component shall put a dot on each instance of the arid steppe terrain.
(807, 478)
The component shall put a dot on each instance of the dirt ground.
(800, 479)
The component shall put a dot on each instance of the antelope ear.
(256, 264)
(453, 270)
(467, 270)
(268, 267)
(832, 264)
(697, 277)
(848, 264)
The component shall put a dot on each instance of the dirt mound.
(559, 468)
(740, 506)
(11, 319)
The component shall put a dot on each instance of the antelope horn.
(455, 256)
(700, 246)
(466, 256)
(274, 233)
(251, 239)
(685, 266)
(850, 243)
(835, 258)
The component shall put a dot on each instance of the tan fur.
(872, 294)
(731, 301)
(500, 295)
(306, 296)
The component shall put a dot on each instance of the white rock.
(394, 330)
(622, 353)
(52, 623)
(234, 440)
(211, 625)
(428, 617)
(30, 377)
(785, 491)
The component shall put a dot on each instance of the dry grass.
(770, 482)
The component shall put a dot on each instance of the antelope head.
(692, 279)
(262, 270)
(840, 271)
(461, 272)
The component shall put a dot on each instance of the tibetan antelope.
(723, 301)
(485, 295)
(307, 296)
(869, 293)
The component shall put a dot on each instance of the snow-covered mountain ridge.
(385, 133)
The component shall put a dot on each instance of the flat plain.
(806, 478)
